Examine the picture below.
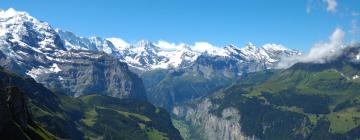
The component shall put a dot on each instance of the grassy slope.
(91, 117)
(311, 103)
(145, 119)
(329, 87)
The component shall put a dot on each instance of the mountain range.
(58, 85)
(305, 101)
(75, 65)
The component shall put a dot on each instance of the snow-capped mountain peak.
(11, 12)
(146, 55)
(13, 20)
(22, 29)
(26, 31)
(250, 46)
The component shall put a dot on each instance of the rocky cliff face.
(226, 66)
(226, 127)
(90, 73)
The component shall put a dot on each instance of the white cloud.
(354, 28)
(169, 46)
(355, 14)
(354, 31)
(321, 52)
(119, 43)
(203, 46)
(308, 7)
(331, 5)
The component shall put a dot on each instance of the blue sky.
(294, 23)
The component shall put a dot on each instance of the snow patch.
(60, 78)
(2, 31)
(35, 72)
(8, 13)
(355, 77)
(55, 68)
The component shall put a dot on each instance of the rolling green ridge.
(57, 116)
(16, 122)
(307, 101)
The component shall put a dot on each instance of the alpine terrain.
(56, 84)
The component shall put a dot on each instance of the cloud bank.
(321, 52)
